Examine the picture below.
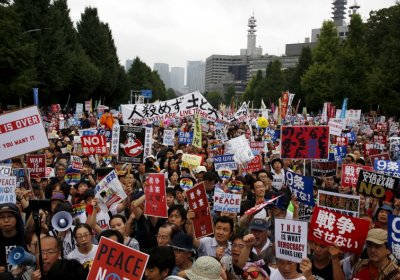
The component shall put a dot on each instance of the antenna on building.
(339, 11)
(354, 8)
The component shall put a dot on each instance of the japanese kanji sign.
(8, 185)
(328, 227)
(323, 168)
(168, 138)
(224, 162)
(21, 132)
(291, 240)
(36, 165)
(389, 167)
(335, 128)
(253, 165)
(186, 105)
(147, 142)
(117, 261)
(394, 235)
(197, 140)
(132, 139)
(305, 142)
(109, 192)
(350, 173)
(185, 137)
(227, 202)
(301, 187)
(114, 146)
(197, 200)
(156, 202)
(342, 203)
(94, 144)
(241, 115)
(378, 185)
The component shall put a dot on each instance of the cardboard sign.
(254, 165)
(5, 170)
(21, 132)
(394, 235)
(191, 160)
(342, 203)
(156, 201)
(291, 240)
(185, 137)
(8, 184)
(131, 147)
(168, 138)
(389, 167)
(348, 233)
(305, 142)
(378, 185)
(301, 186)
(197, 200)
(109, 192)
(227, 202)
(224, 162)
(36, 165)
(94, 144)
(117, 261)
(323, 168)
(241, 148)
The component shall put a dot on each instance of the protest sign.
(76, 162)
(301, 186)
(78, 209)
(117, 261)
(87, 131)
(36, 165)
(338, 202)
(23, 177)
(197, 140)
(191, 160)
(8, 184)
(94, 144)
(291, 240)
(21, 132)
(383, 156)
(235, 186)
(148, 143)
(227, 202)
(332, 228)
(197, 200)
(305, 212)
(340, 140)
(241, 115)
(350, 173)
(114, 145)
(224, 162)
(179, 107)
(394, 235)
(388, 167)
(394, 146)
(257, 146)
(323, 168)
(370, 149)
(381, 139)
(305, 142)
(186, 183)
(156, 202)
(79, 108)
(185, 137)
(253, 165)
(109, 192)
(335, 128)
(220, 133)
(258, 207)
(88, 105)
(224, 174)
(377, 185)
(241, 149)
(168, 138)
(5, 170)
(72, 176)
(131, 144)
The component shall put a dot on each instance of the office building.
(177, 78)
(195, 76)
(163, 72)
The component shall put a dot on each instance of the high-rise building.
(177, 78)
(163, 72)
(196, 76)
(251, 50)
(128, 64)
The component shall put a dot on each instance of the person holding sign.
(326, 262)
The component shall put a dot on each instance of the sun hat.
(378, 236)
(205, 268)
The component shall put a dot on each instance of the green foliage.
(171, 94)
(230, 92)
(214, 98)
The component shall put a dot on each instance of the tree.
(317, 82)
(230, 93)
(214, 98)
(274, 82)
(254, 82)
(171, 94)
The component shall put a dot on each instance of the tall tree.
(274, 82)
(254, 82)
(317, 82)
(214, 98)
(230, 93)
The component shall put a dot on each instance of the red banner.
(350, 174)
(156, 202)
(36, 165)
(340, 141)
(197, 199)
(284, 104)
(254, 165)
(94, 144)
(116, 261)
(305, 142)
(332, 228)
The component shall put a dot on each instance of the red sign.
(350, 174)
(156, 202)
(94, 144)
(36, 165)
(258, 207)
(369, 149)
(254, 165)
(341, 141)
(203, 222)
(332, 228)
(116, 261)
(380, 139)
(305, 142)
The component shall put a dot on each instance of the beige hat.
(205, 268)
(199, 169)
(378, 236)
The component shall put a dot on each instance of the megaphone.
(19, 256)
(61, 221)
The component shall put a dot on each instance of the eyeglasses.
(163, 237)
(252, 274)
(83, 236)
(234, 245)
(49, 252)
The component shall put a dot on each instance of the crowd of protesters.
(242, 246)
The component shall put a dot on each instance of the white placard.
(241, 148)
(5, 170)
(21, 132)
(168, 139)
(8, 185)
(109, 192)
(227, 202)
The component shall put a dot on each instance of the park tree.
(214, 98)
(229, 94)
(254, 82)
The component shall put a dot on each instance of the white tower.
(251, 50)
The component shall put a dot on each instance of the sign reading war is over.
(305, 142)
(377, 185)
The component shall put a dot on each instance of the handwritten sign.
(227, 202)
(156, 202)
(291, 240)
(342, 203)
(8, 184)
(191, 160)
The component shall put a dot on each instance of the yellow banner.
(197, 132)
(189, 160)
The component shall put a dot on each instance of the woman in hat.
(204, 268)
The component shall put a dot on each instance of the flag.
(263, 104)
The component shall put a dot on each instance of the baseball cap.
(179, 152)
(6, 208)
(259, 224)
(200, 168)
(378, 236)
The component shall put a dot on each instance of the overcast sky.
(174, 31)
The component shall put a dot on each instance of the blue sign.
(224, 162)
(36, 96)
(394, 235)
(351, 136)
(301, 187)
(185, 137)
(389, 167)
(147, 93)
